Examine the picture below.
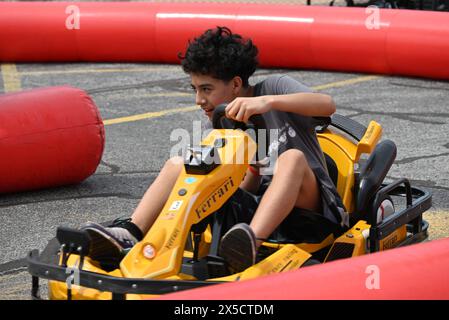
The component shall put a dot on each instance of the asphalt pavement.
(414, 113)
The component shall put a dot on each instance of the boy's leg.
(157, 194)
(293, 185)
(111, 243)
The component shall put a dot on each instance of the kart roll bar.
(417, 201)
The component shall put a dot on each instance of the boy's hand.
(241, 109)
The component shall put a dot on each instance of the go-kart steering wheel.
(255, 122)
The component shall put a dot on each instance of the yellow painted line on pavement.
(170, 94)
(11, 77)
(161, 94)
(150, 115)
(345, 82)
(102, 70)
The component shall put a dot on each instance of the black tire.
(310, 262)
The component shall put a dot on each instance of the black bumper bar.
(117, 286)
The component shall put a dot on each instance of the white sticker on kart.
(176, 205)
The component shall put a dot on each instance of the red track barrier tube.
(416, 272)
(399, 42)
(48, 137)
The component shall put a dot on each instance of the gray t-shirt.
(298, 132)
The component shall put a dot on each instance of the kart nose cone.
(149, 252)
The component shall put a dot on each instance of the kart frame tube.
(117, 286)
(411, 214)
(417, 200)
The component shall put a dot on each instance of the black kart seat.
(331, 168)
(372, 174)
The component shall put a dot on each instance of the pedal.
(216, 266)
(73, 241)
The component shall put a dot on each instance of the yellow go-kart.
(180, 251)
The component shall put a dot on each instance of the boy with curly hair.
(297, 203)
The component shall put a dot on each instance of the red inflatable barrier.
(416, 272)
(402, 42)
(48, 137)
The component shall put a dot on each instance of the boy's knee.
(293, 160)
(176, 160)
(292, 157)
(174, 163)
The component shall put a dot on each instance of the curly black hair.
(221, 54)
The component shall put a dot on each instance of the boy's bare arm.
(307, 104)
